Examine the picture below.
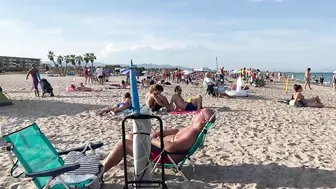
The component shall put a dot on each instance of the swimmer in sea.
(34, 74)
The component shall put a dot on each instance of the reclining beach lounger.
(41, 162)
(178, 166)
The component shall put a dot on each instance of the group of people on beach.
(156, 101)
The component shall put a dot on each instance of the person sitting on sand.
(156, 100)
(121, 106)
(180, 104)
(209, 85)
(299, 100)
(175, 140)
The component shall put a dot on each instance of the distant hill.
(150, 65)
(145, 65)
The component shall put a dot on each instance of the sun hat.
(334, 72)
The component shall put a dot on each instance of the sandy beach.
(256, 142)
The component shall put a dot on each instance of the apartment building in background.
(9, 63)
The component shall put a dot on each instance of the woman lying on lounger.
(299, 100)
(156, 100)
(121, 106)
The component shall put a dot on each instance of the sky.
(274, 35)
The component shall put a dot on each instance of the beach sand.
(255, 143)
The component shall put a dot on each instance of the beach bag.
(89, 163)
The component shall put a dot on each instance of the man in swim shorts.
(180, 104)
(307, 79)
(34, 74)
(175, 140)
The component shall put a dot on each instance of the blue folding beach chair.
(30, 148)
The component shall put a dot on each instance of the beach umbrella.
(141, 140)
(127, 72)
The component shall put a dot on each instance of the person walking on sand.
(100, 75)
(86, 74)
(307, 79)
(34, 74)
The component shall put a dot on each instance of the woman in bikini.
(301, 101)
(156, 101)
(121, 106)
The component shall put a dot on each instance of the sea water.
(300, 76)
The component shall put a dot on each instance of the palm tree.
(60, 60)
(86, 58)
(92, 58)
(73, 60)
(51, 56)
(79, 60)
(67, 59)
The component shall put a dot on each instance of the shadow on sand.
(78, 96)
(223, 109)
(30, 108)
(110, 185)
(267, 176)
(253, 97)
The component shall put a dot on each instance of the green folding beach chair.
(178, 166)
(30, 148)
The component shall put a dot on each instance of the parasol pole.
(216, 63)
(141, 137)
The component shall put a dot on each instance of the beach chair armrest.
(178, 153)
(79, 149)
(54, 172)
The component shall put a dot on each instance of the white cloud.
(118, 38)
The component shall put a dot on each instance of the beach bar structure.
(10, 63)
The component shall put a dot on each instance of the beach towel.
(124, 113)
(114, 87)
(181, 112)
(284, 101)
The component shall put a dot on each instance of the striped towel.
(89, 164)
